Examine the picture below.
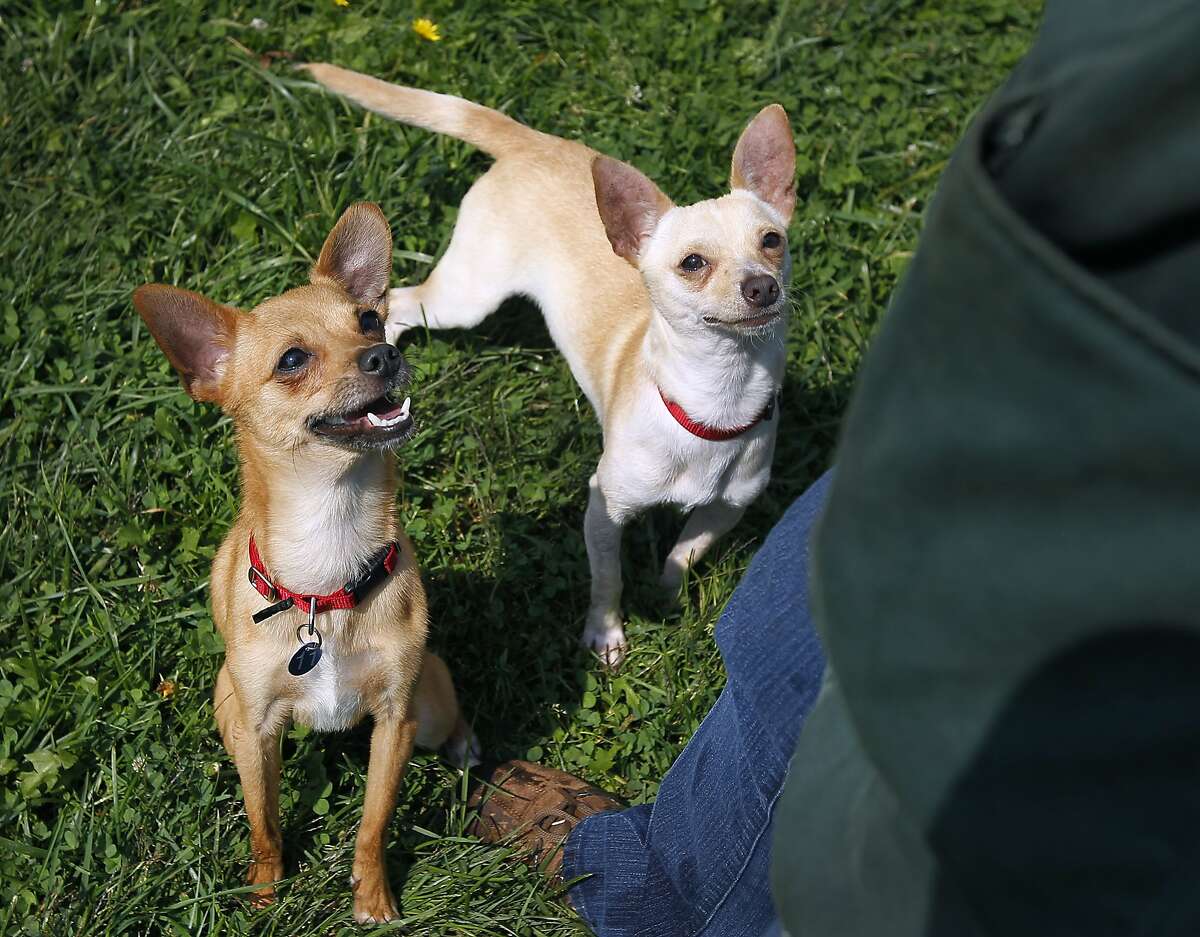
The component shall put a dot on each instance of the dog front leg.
(391, 748)
(706, 525)
(257, 758)
(604, 632)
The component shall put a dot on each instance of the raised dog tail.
(489, 130)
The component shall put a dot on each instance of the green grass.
(144, 141)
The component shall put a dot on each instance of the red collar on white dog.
(712, 433)
(353, 592)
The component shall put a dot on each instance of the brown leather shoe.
(533, 808)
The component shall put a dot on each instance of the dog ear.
(630, 205)
(765, 160)
(194, 333)
(358, 253)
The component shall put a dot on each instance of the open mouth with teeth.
(379, 424)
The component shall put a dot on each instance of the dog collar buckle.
(256, 577)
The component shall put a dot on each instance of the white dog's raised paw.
(404, 313)
(393, 330)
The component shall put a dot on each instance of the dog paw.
(404, 313)
(373, 901)
(607, 642)
(264, 873)
(262, 898)
(463, 750)
(393, 330)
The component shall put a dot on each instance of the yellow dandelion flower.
(341, 3)
(427, 29)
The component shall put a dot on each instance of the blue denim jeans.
(696, 861)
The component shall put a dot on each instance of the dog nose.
(760, 290)
(383, 360)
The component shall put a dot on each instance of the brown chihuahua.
(316, 590)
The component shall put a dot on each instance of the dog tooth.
(382, 423)
(376, 420)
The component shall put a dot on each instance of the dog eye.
(692, 263)
(292, 360)
(369, 322)
(771, 240)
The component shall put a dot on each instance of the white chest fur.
(329, 697)
(653, 460)
(315, 542)
(649, 458)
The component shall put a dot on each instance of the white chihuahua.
(672, 318)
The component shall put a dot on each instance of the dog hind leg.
(440, 724)
(475, 275)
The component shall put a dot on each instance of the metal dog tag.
(305, 659)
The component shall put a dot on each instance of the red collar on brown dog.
(353, 592)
